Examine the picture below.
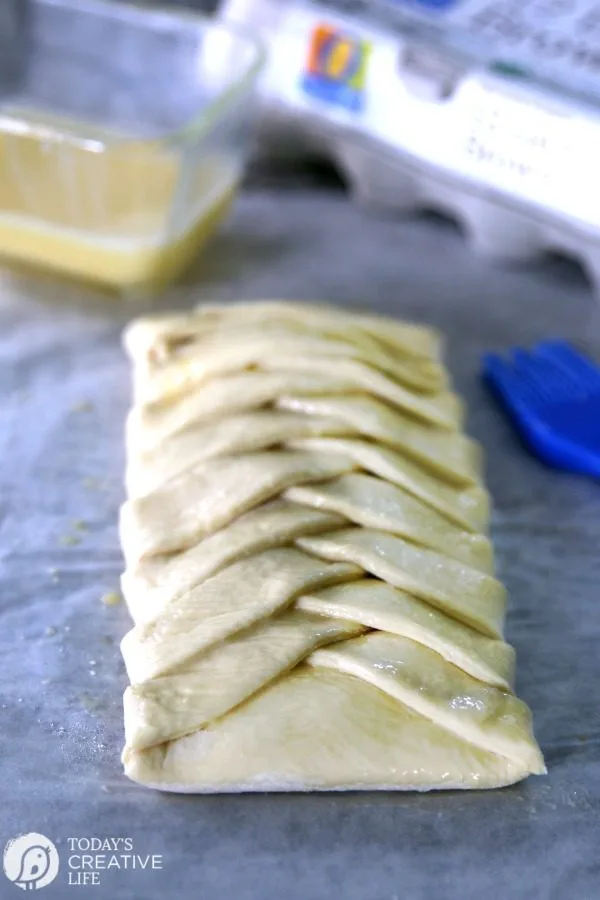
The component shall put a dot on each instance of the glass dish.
(123, 138)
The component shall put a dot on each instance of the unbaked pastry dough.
(307, 564)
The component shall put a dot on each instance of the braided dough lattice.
(307, 564)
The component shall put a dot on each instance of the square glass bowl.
(124, 130)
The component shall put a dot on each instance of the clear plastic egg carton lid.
(123, 135)
(486, 109)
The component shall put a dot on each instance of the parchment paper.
(64, 386)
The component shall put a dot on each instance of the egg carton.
(454, 105)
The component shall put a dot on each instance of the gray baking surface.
(65, 390)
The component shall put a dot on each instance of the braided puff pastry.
(307, 564)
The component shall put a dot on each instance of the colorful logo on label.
(336, 68)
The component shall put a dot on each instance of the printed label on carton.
(550, 39)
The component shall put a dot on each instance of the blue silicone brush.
(552, 393)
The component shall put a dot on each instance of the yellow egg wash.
(128, 214)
